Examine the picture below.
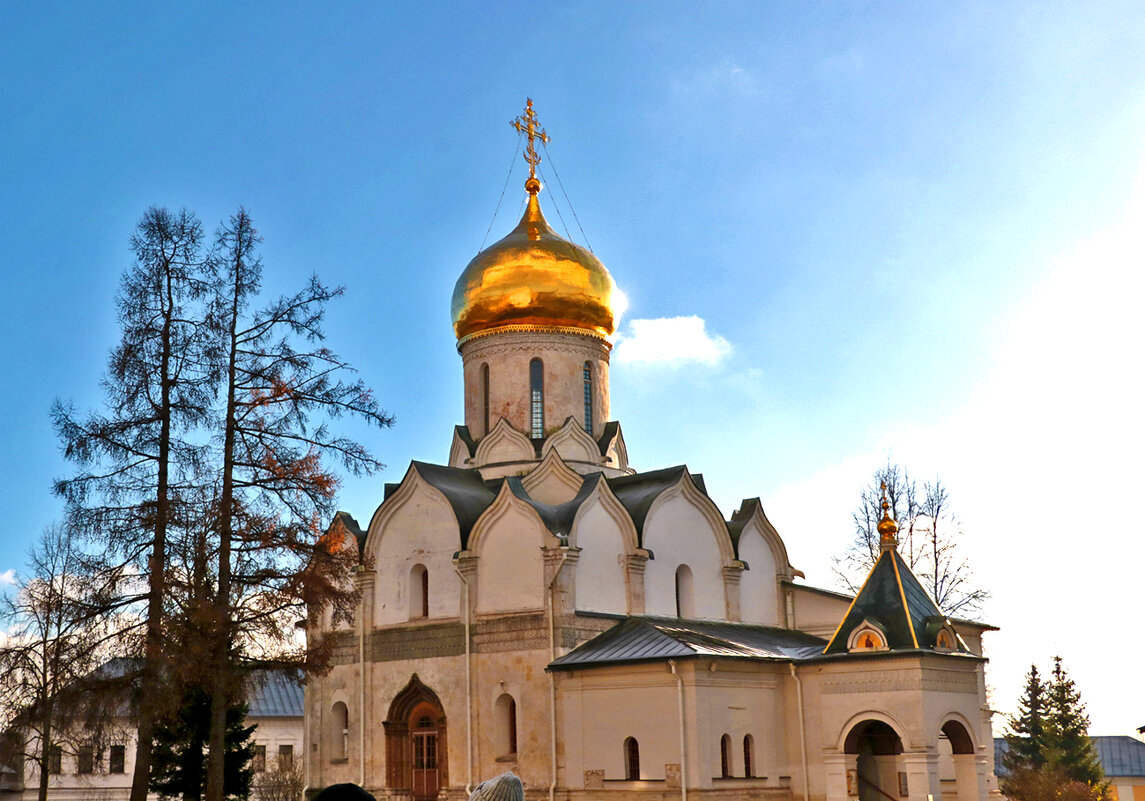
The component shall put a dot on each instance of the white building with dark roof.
(539, 605)
(102, 771)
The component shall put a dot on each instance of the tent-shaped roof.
(893, 599)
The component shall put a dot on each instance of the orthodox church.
(539, 605)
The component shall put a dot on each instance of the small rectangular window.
(258, 759)
(116, 759)
(55, 759)
(85, 759)
(286, 757)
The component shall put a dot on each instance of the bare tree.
(284, 783)
(929, 535)
(136, 459)
(57, 635)
(276, 562)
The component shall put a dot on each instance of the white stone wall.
(600, 579)
(759, 590)
(417, 527)
(679, 531)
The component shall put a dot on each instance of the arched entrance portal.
(416, 754)
(878, 774)
(958, 764)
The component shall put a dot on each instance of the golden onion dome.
(534, 278)
(888, 528)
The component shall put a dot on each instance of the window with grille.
(485, 395)
(537, 398)
(588, 397)
(631, 759)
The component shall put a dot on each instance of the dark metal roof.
(647, 638)
(469, 495)
(275, 694)
(611, 429)
(1120, 755)
(739, 520)
(466, 438)
(893, 598)
(557, 519)
(464, 489)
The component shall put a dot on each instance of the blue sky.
(904, 229)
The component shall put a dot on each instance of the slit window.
(588, 397)
(748, 756)
(340, 734)
(485, 395)
(725, 756)
(631, 759)
(419, 591)
(685, 593)
(537, 398)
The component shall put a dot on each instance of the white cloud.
(670, 341)
(8, 578)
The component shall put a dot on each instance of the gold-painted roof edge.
(543, 329)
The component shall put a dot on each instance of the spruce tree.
(1068, 746)
(179, 753)
(1025, 741)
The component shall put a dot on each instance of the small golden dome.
(533, 277)
(888, 528)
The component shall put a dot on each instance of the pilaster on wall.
(364, 580)
(560, 576)
(466, 563)
(836, 770)
(732, 575)
(634, 565)
(922, 775)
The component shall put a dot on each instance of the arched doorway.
(878, 773)
(416, 755)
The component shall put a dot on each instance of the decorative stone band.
(543, 329)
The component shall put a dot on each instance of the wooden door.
(425, 773)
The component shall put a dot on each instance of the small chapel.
(539, 605)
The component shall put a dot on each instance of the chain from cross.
(528, 125)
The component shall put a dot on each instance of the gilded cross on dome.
(528, 125)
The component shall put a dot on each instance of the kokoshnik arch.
(538, 605)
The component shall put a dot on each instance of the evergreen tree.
(1049, 753)
(1026, 741)
(179, 753)
(1068, 746)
